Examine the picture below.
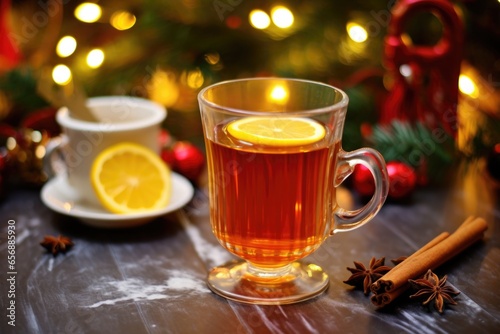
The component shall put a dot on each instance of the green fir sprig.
(431, 151)
(20, 87)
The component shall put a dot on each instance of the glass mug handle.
(347, 220)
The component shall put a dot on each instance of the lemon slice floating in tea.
(130, 178)
(277, 131)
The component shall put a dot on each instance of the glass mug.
(272, 205)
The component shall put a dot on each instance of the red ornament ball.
(402, 180)
(363, 181)
(165, 139)
(167, 155)
(186, 159)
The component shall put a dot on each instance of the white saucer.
(58, 196)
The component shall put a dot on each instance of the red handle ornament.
(425, 77)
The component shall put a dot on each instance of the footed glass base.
(243, 282)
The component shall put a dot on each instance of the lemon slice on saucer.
(277, 131)
(130, 178)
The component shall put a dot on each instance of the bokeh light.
(163, 88)
(282, 17)
(356, 32)
(122, 20)
(259, 19)
(88, 12)
(66, 46)
(212, 58)
(61, 74)
(195, 79)
(95, 58)
(406, 70)
(467, 86)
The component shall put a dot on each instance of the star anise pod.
(363, 277)
(56, 245)
(433, 288)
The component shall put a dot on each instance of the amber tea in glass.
(273, 202)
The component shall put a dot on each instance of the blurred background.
(168, 50)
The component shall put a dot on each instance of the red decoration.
(42, 120)
(366, 130)
(186, 159)
(167, 155)
(3, 162)
(9, 53)
(425, 77)
(363, 181)
(165, 139)
(402, 179)
(20, 161)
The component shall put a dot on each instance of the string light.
(95, 58)
(405, 70)
(212, 58)
(122, 20)
(163, 88)
(467, 86)
(356, 32)
(66, 46)
(61, 74)
(195, 79)
(282, 17)
(259, 19)
(88, 12)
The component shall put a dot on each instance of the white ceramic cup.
(119, 119)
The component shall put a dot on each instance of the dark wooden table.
(151, 279)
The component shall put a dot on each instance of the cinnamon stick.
(386, 297)
(439, 250)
